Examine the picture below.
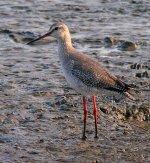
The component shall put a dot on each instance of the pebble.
(127, 46)
(109, 41)
(122, 45)
(136, 66)
(142, 74)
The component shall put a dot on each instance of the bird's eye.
(56, 28)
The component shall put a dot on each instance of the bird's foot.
(84, 137)
(96, 137)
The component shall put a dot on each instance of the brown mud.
(41, 117)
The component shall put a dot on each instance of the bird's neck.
(64, 46)
(65, 42)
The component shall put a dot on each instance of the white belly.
(78, 85)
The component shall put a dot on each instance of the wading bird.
(84, 74)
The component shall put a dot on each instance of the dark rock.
(136, 66)
(104, 110)
(127, 46)
(143, 74)
(109, 41)
(139, 66)
(5, 31)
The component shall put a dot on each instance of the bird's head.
(57, 30)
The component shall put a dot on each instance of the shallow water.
(40, 115)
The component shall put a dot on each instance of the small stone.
(143, 74)
(127, 46)
(104, 110)
(136, 66)
(109, 41)
(33, 152)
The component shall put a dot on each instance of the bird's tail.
(130, 93)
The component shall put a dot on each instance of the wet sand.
(41, 117)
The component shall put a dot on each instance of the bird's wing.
(93, 74)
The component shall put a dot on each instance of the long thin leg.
(85, 117)
(95, 114)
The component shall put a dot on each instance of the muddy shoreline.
(41, 117)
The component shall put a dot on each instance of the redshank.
(84, 74)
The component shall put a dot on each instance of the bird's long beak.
(39, 38)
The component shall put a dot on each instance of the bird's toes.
(84, 137)
(96, 137)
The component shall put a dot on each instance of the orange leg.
(95, 114)
(85, 117)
